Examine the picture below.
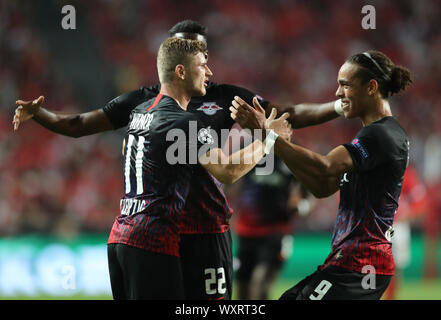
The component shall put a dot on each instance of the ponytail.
(400, 79)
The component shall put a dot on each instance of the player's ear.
(372, 87)
(180, 71)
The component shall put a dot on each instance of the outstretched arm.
(228, 169)
(68, 124)
(320, 174)
(307, 114)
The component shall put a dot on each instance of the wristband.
(338, 108)
(269, 142)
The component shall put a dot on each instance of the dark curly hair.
(188, 26)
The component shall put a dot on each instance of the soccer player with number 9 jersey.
(368, 171)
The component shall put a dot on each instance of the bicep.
(74, 124)
(339, 161)
(307, 114)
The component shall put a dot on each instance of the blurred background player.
(412, 205)
(266, 207)
(432, 219)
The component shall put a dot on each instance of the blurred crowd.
(286, 51)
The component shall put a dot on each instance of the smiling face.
(353, 93)
(197, 74)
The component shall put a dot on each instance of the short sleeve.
(369, 149)
(247, 95)
(119, 109)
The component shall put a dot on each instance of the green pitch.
(410, 290)
(310, 250)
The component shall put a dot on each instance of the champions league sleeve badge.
(204, 136)
(360, 148)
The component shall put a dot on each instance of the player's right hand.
(280, 125)
(25, 110)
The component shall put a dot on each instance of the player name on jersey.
(141, 121)
(132, 206)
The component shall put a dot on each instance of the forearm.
(313, 170)
(319, 187)
(228, 169)
(302, 159)
(242, 161)
(308, 114)
(73, 124)
(56, 122)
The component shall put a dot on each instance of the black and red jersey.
(369, 198)
(206, 209)
(263, 205)
(156, 178)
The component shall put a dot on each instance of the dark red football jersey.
(156, 181)
(206, 209)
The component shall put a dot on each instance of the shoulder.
(141, 94)
(387, 135)
(230, 88)
(383, 128)
(229, 91)
(152, 90)
(134, 97)
(387, 129)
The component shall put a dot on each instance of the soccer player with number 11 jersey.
(205, 246)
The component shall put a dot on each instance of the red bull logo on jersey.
(209, 108)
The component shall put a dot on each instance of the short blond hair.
(174, 51)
